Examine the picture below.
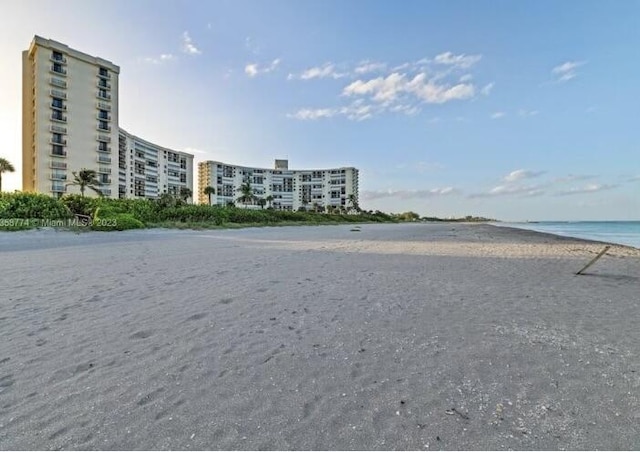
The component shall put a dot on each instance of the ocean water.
(620, 232)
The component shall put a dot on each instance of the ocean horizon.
(618, 232)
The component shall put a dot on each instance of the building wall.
(291, 189)
(147, 170)
(65, 85)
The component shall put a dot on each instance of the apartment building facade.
(146, 170)
(70, 122)
(289, 189)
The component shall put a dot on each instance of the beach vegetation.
(86, 178)
(209, 191)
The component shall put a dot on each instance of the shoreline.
(401, 336)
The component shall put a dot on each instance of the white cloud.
(486, 89)
(498, 115)
(367, 66)
(466, 78)
(188, 46)
(357, 111)
(324, 71)
(527, 113)
(408, 194)
(461, 61)
(163, 58)
(574, 177)
(522, 174)
(566, 71)
(510, 190)
(254, 69)
(388, 89)
(590, 188)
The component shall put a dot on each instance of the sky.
(508, 110)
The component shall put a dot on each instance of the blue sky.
(511, 110)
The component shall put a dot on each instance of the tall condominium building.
(147, 170)
(288, 189)
(70, 122)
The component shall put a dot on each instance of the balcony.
(103, 84)
(106, 191)
(58, 59)
(59, 118)
(104, 74)
(57, 165)
(104, 159)
(103, 106)
(58, 153)
(105, 149)
(105, 138)
(57, 176)
(56, 93)
(57, 82)
(58, 129)
(103, 128)
(104, 170)
(62, 142)
(58, 188)
(58, 70)
(105, 96)
(59, 106)
(103, 117)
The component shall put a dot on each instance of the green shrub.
(116, 222)
(32, 206)
(80, 205)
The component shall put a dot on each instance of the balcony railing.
(57, 165)
(58, 129)
(106, 191)
(104, 159)
(59, 70)
(58, 59)
(105, 138)
(59, 118)
(58, 106)
(58, 188)
(104, 74)
(62, 142)
(104, 129)
(105, 149)
(58, 153)
(58, 176)
(103, 106)
(103, 170)
(105, 96)
(104, 85)
(103, 117)
(57, 82)
(56, 93)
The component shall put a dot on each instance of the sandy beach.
(408, 336)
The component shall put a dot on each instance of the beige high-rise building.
(70, 118)
(70, 123)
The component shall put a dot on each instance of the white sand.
(415, 336)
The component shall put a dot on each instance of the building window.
(57, 103)
(103, 114)
(57, 138)
(56, 149)
(103, 72)
(57, 56)
(103, 125)
(57, 67)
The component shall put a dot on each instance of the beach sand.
(408, 336)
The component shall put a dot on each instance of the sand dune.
(415, 336)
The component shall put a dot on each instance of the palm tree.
(269, 199)
(85, 178)
(209, 191)
(5, 167)
(354, 202)
(247, 195)
(185, 193)
(262, 202)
